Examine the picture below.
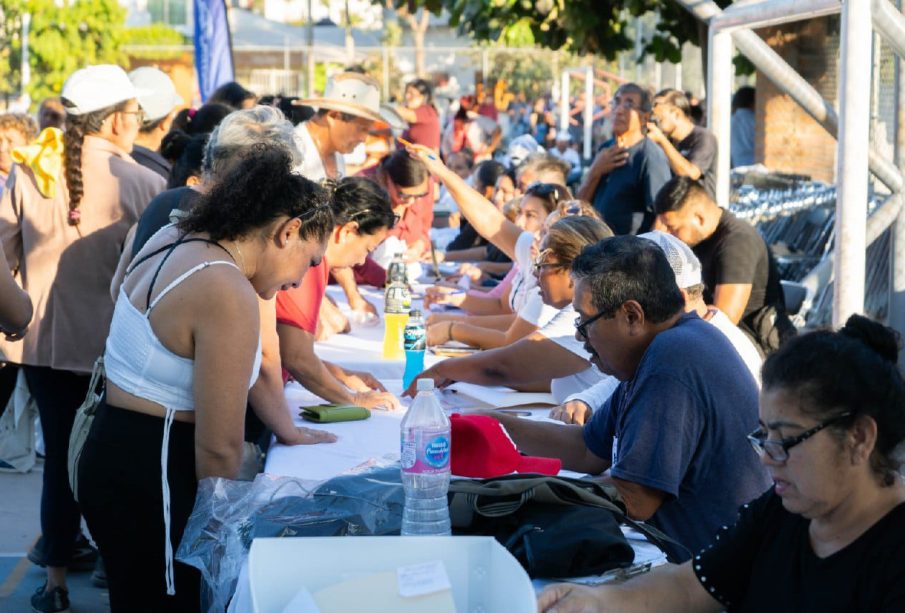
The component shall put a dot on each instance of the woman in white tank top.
(182, 352)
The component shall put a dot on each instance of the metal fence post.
(719, 98)
(851, 159)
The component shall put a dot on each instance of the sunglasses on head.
(545, 190)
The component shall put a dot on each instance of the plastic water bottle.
(414, 340)
(396, 271)
(426, 447)
(398, 301)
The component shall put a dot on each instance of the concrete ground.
(20, 526)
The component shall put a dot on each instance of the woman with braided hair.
(64, 237)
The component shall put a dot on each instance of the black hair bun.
(881, 339)
(173, 145)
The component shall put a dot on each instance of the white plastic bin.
(485, 578)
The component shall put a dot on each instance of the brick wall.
(787, 138)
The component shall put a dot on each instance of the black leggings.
(58, 394)
(121, 497)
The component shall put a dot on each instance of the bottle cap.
(425, 385)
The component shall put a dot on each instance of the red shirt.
(426, 128)
(300, 306)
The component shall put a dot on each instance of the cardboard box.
(483, 575)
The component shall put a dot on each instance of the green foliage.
(154, 35)
(62, 39)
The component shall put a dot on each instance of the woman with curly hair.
(65, 242)
(183, 351)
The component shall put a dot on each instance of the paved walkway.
(20, 525)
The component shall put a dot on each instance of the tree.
(64, 36)
(417, 14)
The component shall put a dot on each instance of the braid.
(77, 127)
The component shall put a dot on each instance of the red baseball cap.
(481, 447)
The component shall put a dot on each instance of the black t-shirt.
(467, 238)
(625, 197)
(157, 214)
(765, 563)
(736, 253)
(700, 148)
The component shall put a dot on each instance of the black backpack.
(555, 527)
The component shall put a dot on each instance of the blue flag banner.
(213, 46)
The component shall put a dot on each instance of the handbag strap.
(95, 387)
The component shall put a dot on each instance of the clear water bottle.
(426, 447)
(396, 271)
(414, 341)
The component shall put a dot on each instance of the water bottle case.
(331, 413)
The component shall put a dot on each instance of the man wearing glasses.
(671, 438)
(630, 169)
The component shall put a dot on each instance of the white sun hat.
(352, 93)
(96, 87)
(684, 263)
(161, 97)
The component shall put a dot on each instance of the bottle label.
(415, 338)
(425, 451)
(398, 299)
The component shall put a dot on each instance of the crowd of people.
(192, 250)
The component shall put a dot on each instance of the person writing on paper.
(578, 408)
(183, 350)
(362, 218)
(830, 534)
(552, 354)
(672, 435)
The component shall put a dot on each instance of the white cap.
(521, 147)
(564, 136)
(96, 87)
(425, 385)
(160, 97)
(684, 263)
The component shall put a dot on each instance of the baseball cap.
(160, 96)
(96, 87)
(521, 147)
(481, 447)
(684, 263)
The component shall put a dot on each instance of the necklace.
(241, 257)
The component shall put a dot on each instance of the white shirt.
(740, 342)
(561, 330)
(312, 166)
(524, 297)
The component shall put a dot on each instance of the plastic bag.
(17, 430)
(367, 501)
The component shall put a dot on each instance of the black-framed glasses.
(404, 196)
(779, 450)
(540, 266)
(582, 326)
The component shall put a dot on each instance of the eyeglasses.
(411, 197)
(539, 265)
(140, 115)
(779, 450)
(582, 326)
(628, 104)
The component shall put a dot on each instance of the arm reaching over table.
(266, 396)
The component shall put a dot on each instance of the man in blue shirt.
(623, 180)
(672, 435)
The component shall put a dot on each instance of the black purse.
(555, 527)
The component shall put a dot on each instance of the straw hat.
(352, 93)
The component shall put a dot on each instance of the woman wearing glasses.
(518, 241)
(363, 217)
(830, 534)
(63, 232)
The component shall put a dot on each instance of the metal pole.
(564, 104)
(588, 110)
(896, 307)
(678, 84)
(851, 158)
(890, 23)
(385, 53)
(25, 66)
(790, 82)
(639, 39)
(658, 75)
(310, 84)
(719, 97)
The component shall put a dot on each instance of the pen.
(435, 266)
(514, 412)
(406, 143)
